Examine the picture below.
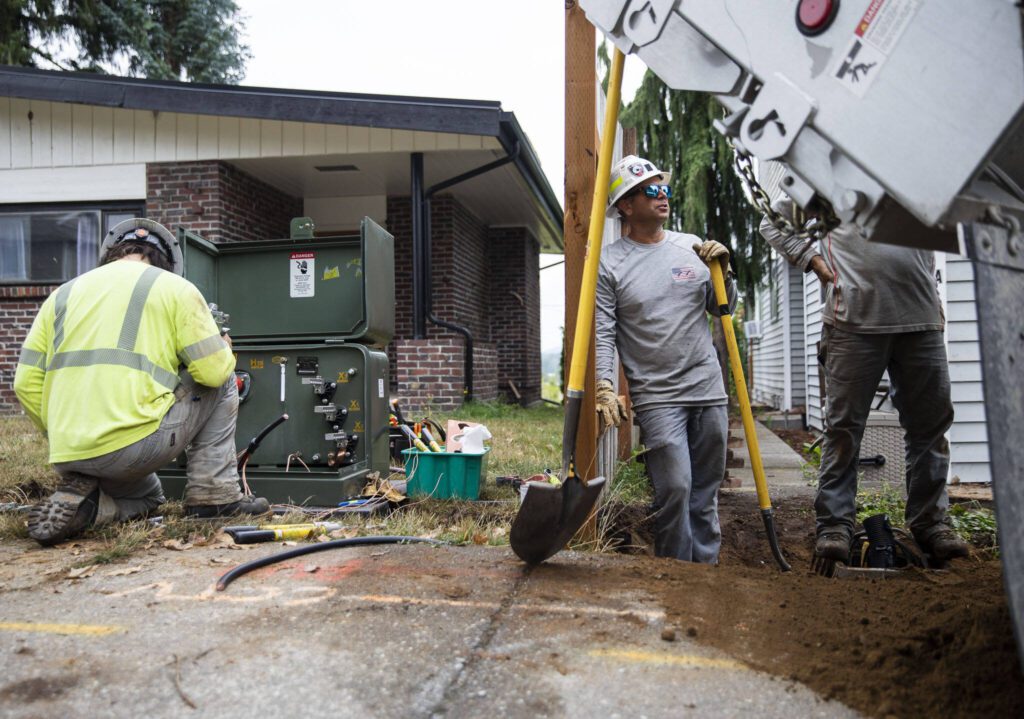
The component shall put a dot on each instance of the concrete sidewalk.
(783, 466)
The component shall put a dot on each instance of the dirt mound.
(922, 644)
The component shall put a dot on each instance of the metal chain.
(814, 228)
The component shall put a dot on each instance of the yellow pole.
(722, 297)
(760, 481)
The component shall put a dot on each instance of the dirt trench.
(926, 643)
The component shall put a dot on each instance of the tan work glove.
(710, 250)
(610, 409)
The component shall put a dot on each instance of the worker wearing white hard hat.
(628, 173)
(653, 295)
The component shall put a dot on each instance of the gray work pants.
(202, 418)
(919, 376)
(686, 463)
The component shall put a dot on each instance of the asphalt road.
(399, 631)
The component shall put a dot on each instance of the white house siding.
(796, 340)
(38, 136)
(968, 436)
(812, 333)
(778, 375)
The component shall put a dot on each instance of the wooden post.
(580, 171)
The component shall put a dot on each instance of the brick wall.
(18, 307)
(484, 279)
(513, 256)
(475, 273)
(431, 374)
(217, 201)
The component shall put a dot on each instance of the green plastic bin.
(444, 475)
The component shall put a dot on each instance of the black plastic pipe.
(422, 275)
(419, 257)
(233, 574)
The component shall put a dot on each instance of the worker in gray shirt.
(653, 292)
(882, 312)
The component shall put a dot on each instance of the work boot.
(833, 544)
(246, 505)
(943, 543)
(66, 513)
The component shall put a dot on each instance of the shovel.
(551, 515)
(765, 502)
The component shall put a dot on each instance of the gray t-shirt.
(879, 288)
(651, 304)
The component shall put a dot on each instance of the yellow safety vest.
(99, 367)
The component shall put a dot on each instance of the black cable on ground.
(233, 574)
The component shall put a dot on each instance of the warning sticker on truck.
(872, 42)
(302, 271)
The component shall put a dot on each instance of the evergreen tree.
(194, 40)
(674, 130)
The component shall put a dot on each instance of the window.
(54, 244)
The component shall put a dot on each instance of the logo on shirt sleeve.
(682, 274)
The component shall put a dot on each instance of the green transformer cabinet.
(309, 318)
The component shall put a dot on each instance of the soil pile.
(924, 644)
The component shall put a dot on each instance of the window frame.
(108, 207)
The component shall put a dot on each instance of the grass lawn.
(525, 442)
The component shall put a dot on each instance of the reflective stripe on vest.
(133, 317)
(32, 358)
(203, 348)
(60, 309)
(122, 356)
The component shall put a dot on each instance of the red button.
(814, 13)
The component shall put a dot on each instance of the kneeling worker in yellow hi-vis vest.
(99, 374)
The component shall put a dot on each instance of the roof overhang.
(517, 193)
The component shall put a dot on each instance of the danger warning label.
(302, 270)
(872, 42)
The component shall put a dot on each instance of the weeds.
(120, 541)
(12, 526)
(631, 483)
(972, 522)
(887, 499)
(24, 470)
(975, 524)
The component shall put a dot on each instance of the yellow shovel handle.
(588, 287)
(722, 297)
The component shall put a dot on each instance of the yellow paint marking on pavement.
(682, 660)
(534, 608)
(95, 630)
(292, 596)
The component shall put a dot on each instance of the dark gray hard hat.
(139, 229)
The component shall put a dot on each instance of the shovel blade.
(550, 516)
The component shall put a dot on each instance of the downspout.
(419, 330)
(422, 237)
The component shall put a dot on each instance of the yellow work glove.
(710, 250)
(610, 409)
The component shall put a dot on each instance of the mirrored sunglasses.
(655, 190)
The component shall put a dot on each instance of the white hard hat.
(629, 172)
